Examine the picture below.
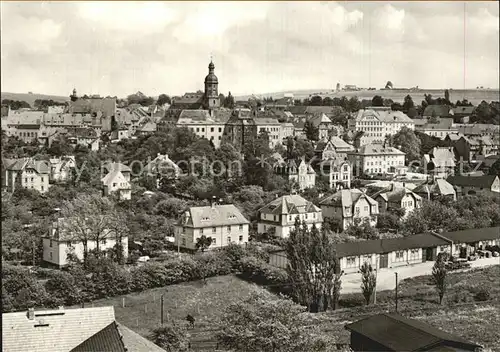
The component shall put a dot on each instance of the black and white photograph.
(250, 176)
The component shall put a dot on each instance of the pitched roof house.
(279, 215)
(349, 206)
(397, 198)
(117, 180)
(70, 330)
(431, 189)
(224, 223)
(26, 173)
(440, 161)
(393, 332)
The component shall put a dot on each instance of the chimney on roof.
(31, 313)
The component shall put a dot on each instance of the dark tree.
(377, 101)
(439, 277)
(229, 101)
(163, 99)
(311, 131)
(316, 101)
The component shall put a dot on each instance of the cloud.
(164, 47)
(139, 17)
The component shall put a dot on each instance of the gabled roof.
(377, 149)
(384, 114)
(485, 181)
(438, 186)
(442, 157)
(266, 121)
(162, 163)
(115, 176)
(108, 339)
(336, 142)
(394, 194)
(346, 198)
(398, 333)
(111, 166)
(473, 235)
(319, 119)
(40, 166)
(289, 204)
(442, 124)
(66, 329)
(148, 127)
(208, 216)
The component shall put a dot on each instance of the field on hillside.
(460, 314)
(475, 96)
(30, 98)
(205, 302)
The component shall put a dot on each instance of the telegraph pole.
(396, 292)
(161, 310)
(376, 278)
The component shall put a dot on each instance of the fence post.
(123, 302)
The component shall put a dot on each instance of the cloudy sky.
(117, 48)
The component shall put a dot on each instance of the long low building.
(396, 252)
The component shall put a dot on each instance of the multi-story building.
(223, 223)
(378, 122)
(440, 129)
(26, 173)
(61, 241)
(117, 180)
(350, 206)
(376, 159)
(279, 215)
(324, 126)
(339, 174)
(394, 197)
(286, 130)
(272, 127)
(240, 128)
(204, 124)
(297, 172)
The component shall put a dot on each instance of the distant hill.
(475, 96)
(30, 98)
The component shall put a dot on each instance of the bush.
(255, 270)
(483, 294)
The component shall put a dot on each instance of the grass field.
(459, 313)
(204, 302)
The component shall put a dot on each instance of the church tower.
(73, 96)
(211, 88)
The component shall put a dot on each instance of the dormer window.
(232, 216)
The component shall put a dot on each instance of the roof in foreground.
(53, 330)
(398, 333)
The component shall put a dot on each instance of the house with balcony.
(279, 215)
(223, 223)
(350, 206)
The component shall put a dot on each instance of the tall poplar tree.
(312, 267)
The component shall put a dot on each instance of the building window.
(366, 208)
(414, 254)
(214, 240)
(351, 262)
(201, 231)
(211, 129)
(240, 238)
(289, 218)
(183, 230)
(42, 188)
(50, 244)
(368, 259)
(241, 227)
(228, 239)
(400, 256)
(50, 255)
(229, 228)
(214, 229)
(183, 242)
